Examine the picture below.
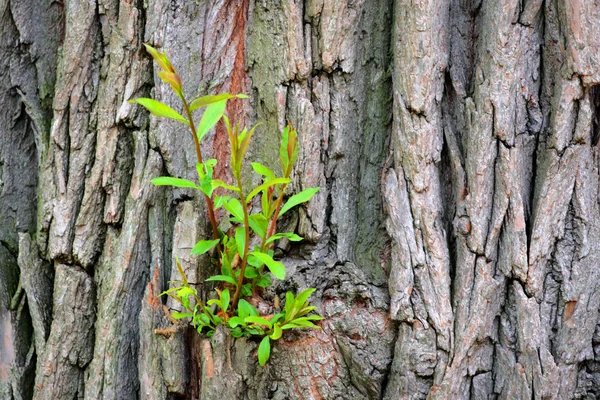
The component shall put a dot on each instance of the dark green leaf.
(203, 246)
(299, 198)
(264, 351)
(160, 109)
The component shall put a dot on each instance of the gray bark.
(453, 243)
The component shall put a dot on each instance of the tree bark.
(453, 243)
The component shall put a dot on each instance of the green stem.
(238, 289)
(209, 202)
(272, 224)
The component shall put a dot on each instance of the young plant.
(245, 271)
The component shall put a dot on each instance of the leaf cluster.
(244, 271)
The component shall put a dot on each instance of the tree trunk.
(454, 243)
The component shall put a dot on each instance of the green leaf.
(300, 324)
(260, 188)
(246, 309)
(177, 182)
(250, 272)
(225, 300)
(220, 200)
(178, 315)
(264, 281)
(219, 183)
(210, 99)
(235, 321)
(255, 330)
(247, 290)
(186, 291)
(258, 223)
(244, 143)
(203, 246)
(240, 240)
(264, 351)
(168, 291)
(223, 278)
(289, 305)
(215, 301)
(302, 297)
(277, 331)
(257, 320)
(236, 332)
(291, 236)
(262, 170)
(283, 153)
(205, 173)
(211, 116)
(235, 208)
(299, 198)
(309, 318)
(160, 109)
(276, 268)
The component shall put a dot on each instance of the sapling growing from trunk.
(243, 270)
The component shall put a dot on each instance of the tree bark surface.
(454, 243)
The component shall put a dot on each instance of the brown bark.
(453, 243)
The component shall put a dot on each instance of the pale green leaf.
(260, 188)
(177, 182)
(291, 236)
(210, 99)
(262, 170)
(160, 109)
(223, 278)
(203, 246)
(211, 116)
(299, 198)
(276, 267)
(264, 351)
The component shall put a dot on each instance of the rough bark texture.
(454, 243)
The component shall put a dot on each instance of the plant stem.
(209, 202)
(238, 289)
(272, 223)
